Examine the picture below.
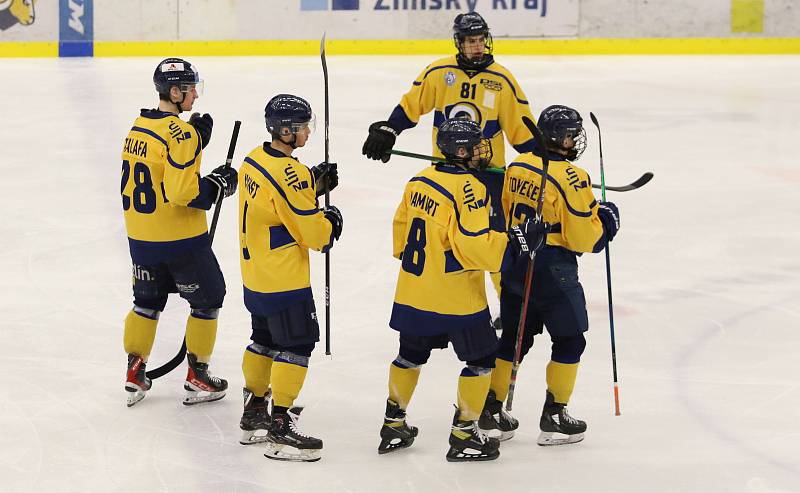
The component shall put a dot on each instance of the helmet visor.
(196, 86)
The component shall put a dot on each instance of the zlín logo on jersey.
(14, 12)
(464, 111)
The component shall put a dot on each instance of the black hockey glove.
(326, 177)
(379, 141)
(225, 178)
(203, 125)
(608, 213)
(529, 236)
(333, 215)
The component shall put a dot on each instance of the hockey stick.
(327, 203)
(178, 358)
(537, 135)
(636, 184)
(608, 274)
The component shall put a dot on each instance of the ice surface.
(705, 273)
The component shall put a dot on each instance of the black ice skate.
(136, 383)
(469, 443)
(395, 432)
(497, 324)
(286, 442)
(255, 418)
(200, 385)
(494, 417)
(558, 427)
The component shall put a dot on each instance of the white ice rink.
(705, 270)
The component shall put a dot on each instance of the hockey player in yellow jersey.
(442, 237)
(279, 221)
(578, 224)
(164, 201)
(472, 85)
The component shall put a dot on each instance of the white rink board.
(705, 286)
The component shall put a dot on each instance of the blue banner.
(75, 28)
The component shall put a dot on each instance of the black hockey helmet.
(560, 124)
(462, 143)
(472, 24)
(285, 110)
(176, 72)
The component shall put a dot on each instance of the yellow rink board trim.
(599, 46)
(28, 49)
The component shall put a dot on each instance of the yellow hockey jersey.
(163, 198)
(279, 220)
(490, 97)
(441, 234)
(569, 204)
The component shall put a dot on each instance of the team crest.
(449, 78)
(464, 110)
(14, 12)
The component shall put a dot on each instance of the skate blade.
(495, 432)
(134, 397)
(549, 438)
(276, 451)
(391, 445)
(470, 455)
(193, 397)
(250, 437)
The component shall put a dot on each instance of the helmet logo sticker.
(172, 67)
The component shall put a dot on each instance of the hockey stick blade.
(638, 183)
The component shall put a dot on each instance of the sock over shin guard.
(140, 332)
(286, 381)
(402, 382)
(472, 389)
(256, 369)
(501, 378)
(561, 380)
(201, 333)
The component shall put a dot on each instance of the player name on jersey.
(136, 147)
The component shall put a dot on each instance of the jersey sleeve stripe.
(552, 180)
(278, 188)
(150, 133)
(449, 197)
(190, 162)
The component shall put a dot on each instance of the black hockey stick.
(608, 274)
(537, 135)
(638, 183)
(178, 358)
(327, 203)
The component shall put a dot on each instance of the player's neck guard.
(468, 65)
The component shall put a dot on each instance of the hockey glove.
(225, 178)
(333, 215)
(529, 236)
(379, 141)
(203, 125)
(608, 212)
(326, 177)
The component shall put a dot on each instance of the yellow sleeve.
(418, 101)
(297, 210)
(514, 105)
(399, 229)
(182, 169)
(580, 225)
(475, 246)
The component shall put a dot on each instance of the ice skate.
(395, 432)
(200, 385)
(286, 442)
(468, 443)
(558, 427)
(255, 418)
(497, 324)
(136, 383)
(494, 417)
